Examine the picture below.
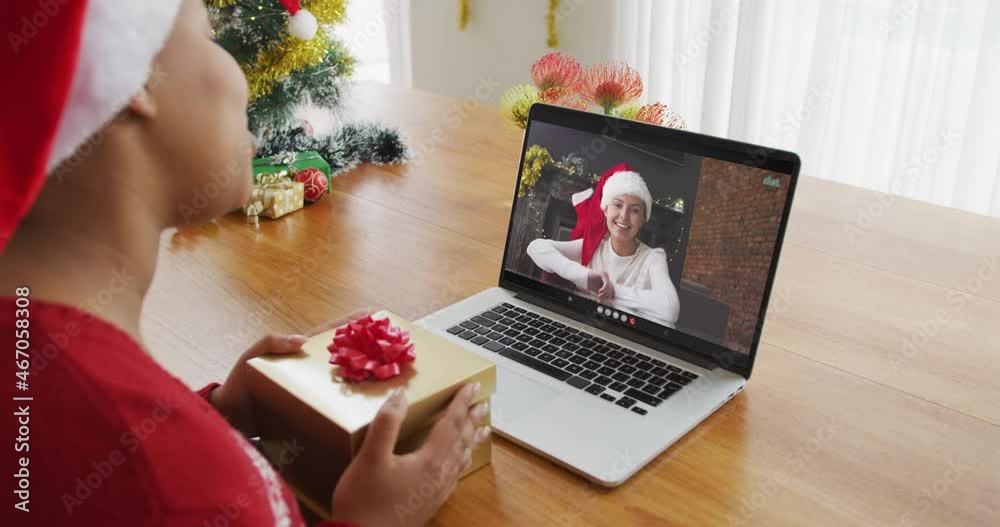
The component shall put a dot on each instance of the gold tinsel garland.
(326, 11)
(550, 23)
(288, 55)
(463, 14)
(552, 37)
(279, 59)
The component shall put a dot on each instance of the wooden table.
(841, 424)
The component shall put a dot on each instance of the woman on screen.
(605, 256)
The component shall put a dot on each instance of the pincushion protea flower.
(566, 97)
(610, 85)
(516, 103)
(656, 113)
(651, 113)
(555, 70)
(560, 80)
(672, 119)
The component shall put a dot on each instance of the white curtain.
(894, 95)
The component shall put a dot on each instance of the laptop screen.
(648, 234)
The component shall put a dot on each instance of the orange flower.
(672, 119)
(562, 97)
(652, 113)
(555, 70)
(610, 85)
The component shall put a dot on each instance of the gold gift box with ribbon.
(275, 195)
(304, 402)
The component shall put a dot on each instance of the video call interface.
(657, 237)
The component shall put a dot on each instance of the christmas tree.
(290, 58)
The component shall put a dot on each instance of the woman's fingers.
(275, 344)
(337, 322)
(384, 430)
(454, 426)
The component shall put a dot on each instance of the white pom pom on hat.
(627, 183)
(301, 23)
(76, 69)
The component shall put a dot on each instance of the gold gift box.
(275, 195)
(304, 402)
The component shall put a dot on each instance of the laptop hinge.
(672, 350)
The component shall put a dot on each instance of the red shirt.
(111, 438)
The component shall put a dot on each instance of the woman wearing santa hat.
(114, 114)
(606, 257)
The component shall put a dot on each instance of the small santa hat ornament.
(76, 69)
(301, 23)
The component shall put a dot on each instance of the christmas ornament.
(371, 349)
(316, 184)
(288, 62)
(301, 23)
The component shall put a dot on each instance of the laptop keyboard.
(587, 362)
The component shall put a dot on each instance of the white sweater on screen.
(641, 281)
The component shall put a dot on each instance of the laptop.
(602, 365)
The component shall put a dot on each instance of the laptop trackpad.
(517, 396)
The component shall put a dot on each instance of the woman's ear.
(143, 104)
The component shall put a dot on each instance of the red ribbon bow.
(367, 348)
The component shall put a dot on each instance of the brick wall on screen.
(735, 223)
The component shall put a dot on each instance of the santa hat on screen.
(74, 66)
(591, 225)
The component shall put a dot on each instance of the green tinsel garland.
(348, 147)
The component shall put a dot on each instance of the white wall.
(501, 41)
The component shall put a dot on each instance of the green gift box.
(290, 163)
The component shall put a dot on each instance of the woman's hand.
(233, 399)
(599, 282)
(376, 488)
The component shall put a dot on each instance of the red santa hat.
(591, 225)
(73, 65)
